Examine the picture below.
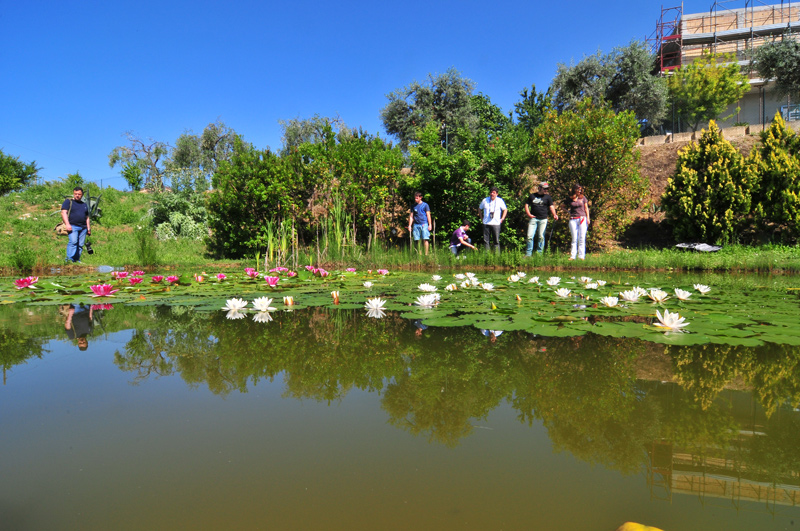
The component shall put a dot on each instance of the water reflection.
(703, 419)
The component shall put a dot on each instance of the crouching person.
(459, 240)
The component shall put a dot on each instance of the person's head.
(577, 190)
(418, 197)
(83, 343)
(465, 225)
(77, 193)
(493, 192)
(544, 186)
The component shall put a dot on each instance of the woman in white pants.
(578, 221)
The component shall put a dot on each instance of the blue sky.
(78, 74)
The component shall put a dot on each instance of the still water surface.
(326, 419)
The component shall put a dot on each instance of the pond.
(324, 417)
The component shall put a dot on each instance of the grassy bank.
(123, 238)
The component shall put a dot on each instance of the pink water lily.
(383, 271)
(321, 272)
(250, 272)
(157, 278)
(272, 281)
(221, 276)
(27, 282)
(103, 290)
(104, 306)
(351, 269)
(138, 273)
(135, 280)
(172, 279)
(199, 278)
(279, 270)
(119, 275)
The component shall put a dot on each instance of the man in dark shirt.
(536, 208)
(75, 215)
(79, 324)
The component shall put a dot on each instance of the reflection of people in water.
(492, 334)
(79, 324)
(420, 327)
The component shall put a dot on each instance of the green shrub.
(146, 248)
(708, 199)
(24, 257)
(778, 162)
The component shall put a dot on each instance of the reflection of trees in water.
(773, 371)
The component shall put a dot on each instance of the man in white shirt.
(493, 211)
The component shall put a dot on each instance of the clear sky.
(78, 74)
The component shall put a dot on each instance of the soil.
(657, 164)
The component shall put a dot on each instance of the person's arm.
(586, 207)
(430, 223)
(528, 210)
(88, 219)
(68, 323)
(464, 242)
(503, 216)
(553, 211)
(410, 220)
(65, 218)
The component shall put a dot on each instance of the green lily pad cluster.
(546, 306)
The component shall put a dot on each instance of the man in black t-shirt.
(75, 215)
(536, 208)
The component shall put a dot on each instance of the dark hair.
(77, 188)
(575, 189)
(494, 189)
(417, 194)
(465, 224)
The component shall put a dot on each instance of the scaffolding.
(681, 38)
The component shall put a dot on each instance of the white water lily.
(553, 281)
(487, 286)
(427, 287)
(376, 313)
(591, 285)
(475, 282)
(367, 284)
(533, 280)
(586, 280)
(436, 278)
(513, 278)
(375, 303)
(641, 292)
(235, 304)
(465, 284)
(262, 304)
(658, 295)
(235, 314)
(629, 295)
(288, 300)
(470, 275)
(563, 292)
(673, 321)
(262, 317)
(521, 274)
(702, 288)
(682, 294)
(601, 283)
(427, 301)
(451, 287)
(335, 295)
(459, 276)
(609, 301)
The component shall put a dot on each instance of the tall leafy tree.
(780, 60)
(532, 108)
(709, 197)
(202, 152)
(444, 99)
(624, 78)
(593, 146)
(15, 174)
(702, 90)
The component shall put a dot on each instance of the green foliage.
(24, 257)
(201, 153)
(15, 174)
(593, 146)
(777, 160)
(140, 158)
(444, 100)
(780, 60)
(623, 78)
(146, 248)
(132, 173)
(180, 211)
(708, 199)
(532, 108)
(703, 89)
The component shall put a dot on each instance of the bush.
(708, 199)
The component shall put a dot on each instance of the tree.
(444, 99)
(708, 199)
(202, 152)
(780, 60)
(298, 131)
(624, 78)
(15, 174)
(146, 155)
(703, 89)
(533, 108)
(778, 164)
(593, 146)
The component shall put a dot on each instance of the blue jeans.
(75, 243)
(536, 227)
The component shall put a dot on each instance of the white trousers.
(577, 227)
